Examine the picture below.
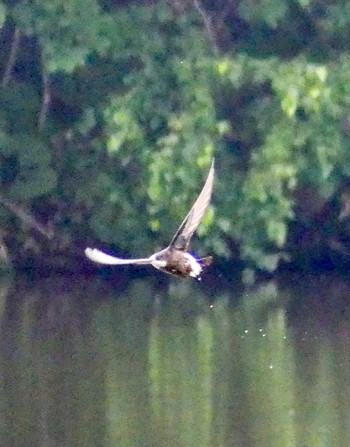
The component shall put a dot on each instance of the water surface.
(84, 364)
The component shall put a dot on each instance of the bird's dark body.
(179, 262)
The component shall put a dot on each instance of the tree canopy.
(111, 111)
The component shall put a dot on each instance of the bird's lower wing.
(102, 258)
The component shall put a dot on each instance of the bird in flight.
(174, 259)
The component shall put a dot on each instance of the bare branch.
(12, 58)
(27, 218)
(46, 100)
(208, 24)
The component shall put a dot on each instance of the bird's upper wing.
(102, 258)
(183, 235)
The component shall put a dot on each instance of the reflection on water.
(82, 364)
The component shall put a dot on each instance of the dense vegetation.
(111, 111)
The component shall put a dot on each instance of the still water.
(85, 364)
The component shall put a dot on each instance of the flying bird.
(174, 259)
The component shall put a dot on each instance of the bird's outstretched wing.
(102, 258)
(183, 235)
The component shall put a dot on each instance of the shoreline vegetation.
(110, 113)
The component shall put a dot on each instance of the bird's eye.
(159, 257)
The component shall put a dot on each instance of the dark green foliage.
(110, 114)
(25, 170)
(67, 31)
